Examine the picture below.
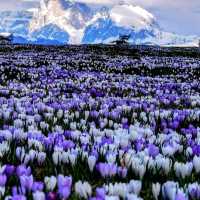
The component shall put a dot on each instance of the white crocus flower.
(133, 197)
(60, 114)
(72, 159)
(77, 114)
(41, 156)
(189, 151)
(6, 134)
(118, 189)
(111, 197)
(168, 151)
(2, 191)
(2, 169)
(57, 156)
(18, 123)
(111, 158)
(65, 157)
(4, 148)
(50, 182)
(83, 189)
(141, 171)
(20, 153)
(32, 154)
(183, 170)
(135, 187)
(169, 190)
(128, 159)
(86, 114)
(164, 163)
(26, 159)
(38, 195)
(124, 141)
(156, 190)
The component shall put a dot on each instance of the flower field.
(77, 123)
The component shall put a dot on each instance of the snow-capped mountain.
(65, 21)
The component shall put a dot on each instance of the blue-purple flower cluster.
(72, 128)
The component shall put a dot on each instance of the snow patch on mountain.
(127, 15)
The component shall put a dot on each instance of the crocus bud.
(3, 180)
(196, 163)
(91, 162)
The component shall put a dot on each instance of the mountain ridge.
(60, 22)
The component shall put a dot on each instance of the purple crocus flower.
(106, 141)
(153, 150)
(64, 186)
(18, 197)
(100, 193)
(26, 183)
(38, 186)
(95, 198)
(180, 196)
(64, 181)
(3, 180)
(139, 145)
(14, 191)
(175, 124)
(67, 134)
(194, 193)
(23, 170)
(10, 169)
(107, 169)
(64, 192)
(163, 124)
(126, 125)
(51, 196)
(68, 144)
(122, 172)
(95, 153)
(196, 150)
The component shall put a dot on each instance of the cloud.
(180, 16)
(17, 4)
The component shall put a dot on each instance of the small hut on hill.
(123, 39)
(6, 38)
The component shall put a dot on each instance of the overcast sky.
(180, 16)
